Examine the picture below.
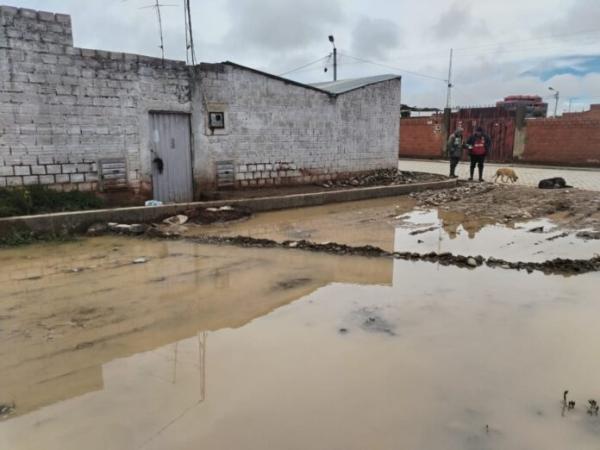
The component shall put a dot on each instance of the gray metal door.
(171, 150)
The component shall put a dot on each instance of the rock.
(226, 208)
(537, 230)
(138, 228)
(140, 261)
(97, 229)
(179, 219)
(293, 244)
(588, 235)
(471, 262)
(122, 228)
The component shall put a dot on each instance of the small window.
(216, 120)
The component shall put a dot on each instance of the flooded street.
(117, 343)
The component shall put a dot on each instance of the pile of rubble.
(383, 177)
(172, 226)
(439, 197)
(560, 266)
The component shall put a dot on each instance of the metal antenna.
(189, 34)
(157, 7)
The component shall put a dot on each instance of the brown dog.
(505, 174)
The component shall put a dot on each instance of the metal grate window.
(112, 173)
(225, 174)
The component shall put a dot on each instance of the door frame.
(189, 115)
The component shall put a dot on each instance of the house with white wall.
(118, 123)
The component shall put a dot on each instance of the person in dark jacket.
(455, 148)
(479, 145)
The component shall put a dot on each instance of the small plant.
(593, 408)
(567, 405)
(41, 199)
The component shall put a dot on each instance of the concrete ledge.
(79, 221)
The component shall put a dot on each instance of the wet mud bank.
(559, 266)
(78, 222)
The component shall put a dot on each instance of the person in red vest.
(479, 145)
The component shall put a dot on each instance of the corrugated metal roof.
(341, 86)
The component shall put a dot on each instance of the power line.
(408, 72)
(303, 66)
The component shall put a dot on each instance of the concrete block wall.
(63, 108)
(421, 137)
(281, 133)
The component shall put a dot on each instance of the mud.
(572, 208)
(384, 177)
(562, 266)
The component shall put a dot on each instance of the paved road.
(580, 178)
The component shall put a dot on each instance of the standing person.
(455, 149)
(479, 146)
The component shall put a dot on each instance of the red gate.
(498, 123)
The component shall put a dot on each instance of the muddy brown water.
(393, 225)
(225, 348)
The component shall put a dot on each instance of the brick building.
(75, 118)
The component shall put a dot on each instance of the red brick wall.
(568, 141)
(421, 137)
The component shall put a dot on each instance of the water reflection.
(64, 315)
(437, 230)
(442, 359)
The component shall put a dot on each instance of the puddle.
(368, 222)
(58, 327)
(258, 349)
(392, 224)
(442, 231)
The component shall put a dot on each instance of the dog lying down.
(553, 183)
(505, 174)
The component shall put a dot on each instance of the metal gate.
(171, 151)
(498, 123)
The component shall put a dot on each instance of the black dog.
(553, 183)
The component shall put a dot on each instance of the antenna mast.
(157, 7)
(189, 34)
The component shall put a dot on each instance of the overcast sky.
(501, 47)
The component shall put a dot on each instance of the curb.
(79, 221)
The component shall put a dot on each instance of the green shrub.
(40, 199)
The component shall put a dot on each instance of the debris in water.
(345, 330)
(140, 261)
(422, 231)
(558, 236)
(6, 409)
(588, 235)
(179, 219)
(537, 230)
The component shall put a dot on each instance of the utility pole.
(189, 34)
(332, 40)
(449, 94)
(556, 97)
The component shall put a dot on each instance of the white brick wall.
(278, 132)
(62, 108)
